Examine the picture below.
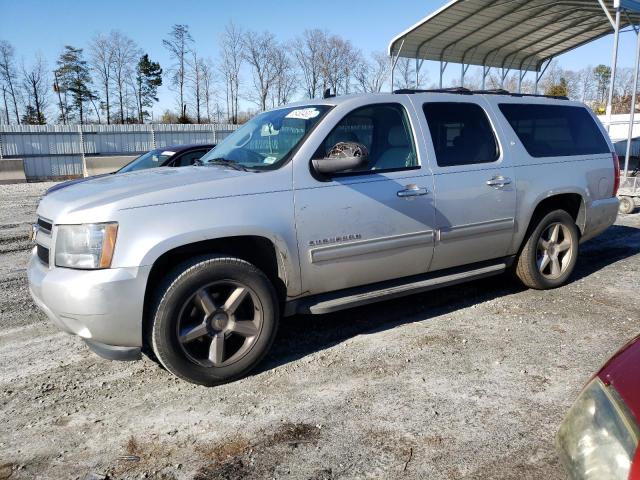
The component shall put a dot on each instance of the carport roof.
(514, 34)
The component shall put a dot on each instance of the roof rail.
(466, 91)
(459, 90)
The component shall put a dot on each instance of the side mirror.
(342, 156)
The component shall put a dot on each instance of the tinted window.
(461, 133)
(189, 158)
(384, 129)
(152, 159)
(555, 130)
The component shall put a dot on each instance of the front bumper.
(600, 215)
(101, 306)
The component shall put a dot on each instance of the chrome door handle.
(498, 181)
(412, 190)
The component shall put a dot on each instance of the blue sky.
(46, 26)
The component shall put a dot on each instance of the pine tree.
(73, 77)
(32, 116)
(148, 79)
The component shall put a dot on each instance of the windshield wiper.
(227, 163)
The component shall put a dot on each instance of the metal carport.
(522, 35)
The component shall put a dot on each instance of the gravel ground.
(465, 382)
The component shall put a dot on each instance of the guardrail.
(51, 152)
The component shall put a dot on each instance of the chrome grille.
(42, 238)
(44, 225)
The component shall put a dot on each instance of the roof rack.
(459, 90)
(466, 91)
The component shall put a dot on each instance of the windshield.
(267, 140)
(152, 159)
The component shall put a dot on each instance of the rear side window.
(461, 133)
(555, 130)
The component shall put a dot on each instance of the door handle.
(412, 190)
(498, 181)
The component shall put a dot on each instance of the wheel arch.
(255, 249)
(572, 202)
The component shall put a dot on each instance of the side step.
(334, 301)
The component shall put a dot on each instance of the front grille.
(45, 225)
(43, 254)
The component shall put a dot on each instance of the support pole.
(85, 173)
(540, 74)
(503, 76)
(394, 61)
(521, 75)
(463, 72)
(633, 106)
(418, 67)
(443, 67)
(485, 74)
(614, 63)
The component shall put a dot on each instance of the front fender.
(145, 234)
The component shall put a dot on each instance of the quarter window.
(461, 133)
(555, 130)
(384, 129)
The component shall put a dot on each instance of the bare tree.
(195, 79)
(8, 73)
(6, 106)
(285, 79)
(337, 59)
(101, 61)
(208, 81)
(125, 55)
(179, 44)
(370, 76)
(307, 50)
(35, 82)
(258, 52)
(231, 43)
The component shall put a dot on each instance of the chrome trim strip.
(472, 229)
(365, 247)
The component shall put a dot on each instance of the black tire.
(180, 301)
(531, 268)
(627, 205)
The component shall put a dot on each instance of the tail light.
(616, 174)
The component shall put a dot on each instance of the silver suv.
(316, 207)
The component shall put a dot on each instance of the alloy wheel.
(219, 323)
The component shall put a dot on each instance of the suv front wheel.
(215, 320)
(549, 254)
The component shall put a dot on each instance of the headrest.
(398, 137)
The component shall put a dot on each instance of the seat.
(398, 154)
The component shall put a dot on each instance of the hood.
(622, 372)
(68, 183)
(98, 199)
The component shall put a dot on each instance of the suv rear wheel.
(549, 254)
(215, 320)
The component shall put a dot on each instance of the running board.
(334, 301)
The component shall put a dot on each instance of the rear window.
(555, 130)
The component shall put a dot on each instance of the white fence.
(58, 151)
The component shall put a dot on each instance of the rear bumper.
(102, 306)
(600, 215)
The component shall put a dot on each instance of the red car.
(598, 439)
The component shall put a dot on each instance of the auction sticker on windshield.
(304, 113)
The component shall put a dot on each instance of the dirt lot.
(466, 382)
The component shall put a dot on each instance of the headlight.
(88, 246)
(599, 436)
